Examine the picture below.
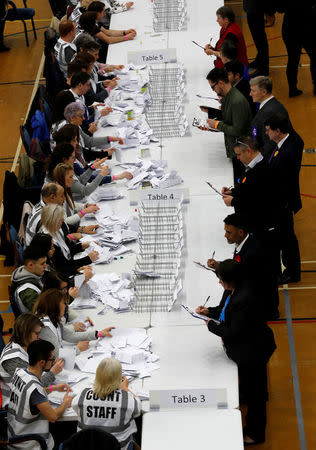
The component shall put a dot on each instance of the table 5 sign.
(155, 56)
(189, 398)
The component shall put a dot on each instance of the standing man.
(285, 162)
(261, 92)
(236, 113)
(235, 71)
(29, 411)
(255, 263)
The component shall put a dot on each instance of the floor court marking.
(296, 383)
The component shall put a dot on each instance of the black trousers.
(256, 26)
(295, 40)
(253, 385)
(290, 252)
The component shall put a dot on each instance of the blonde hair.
(108, 377)
(51, 215)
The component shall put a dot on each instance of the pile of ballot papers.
(112, 290)
(115, 230)
(131, 346)
(152, 171)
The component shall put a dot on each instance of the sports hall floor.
(19, 69)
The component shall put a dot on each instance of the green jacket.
(236, 120)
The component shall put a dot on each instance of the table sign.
(155, 56)
(188, 398)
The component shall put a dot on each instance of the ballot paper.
(68, 355)
(79, 279)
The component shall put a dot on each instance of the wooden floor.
(21, 64)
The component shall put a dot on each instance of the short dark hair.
(96, 6)
(279, 121)
(75, 67)
(42, 240)
(225, 11)
(217, 74)
(52, 280)
(79, 78)
(61, 151)
(32, 253)
(247, 142)
(229, 49)
(235, 66)
(229, 271)
(39, 350)
(236, 220)
(49, 189)
(62, 99)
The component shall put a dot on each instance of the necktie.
(273, 153)
(222, 316)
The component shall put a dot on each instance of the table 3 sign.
(188, 398)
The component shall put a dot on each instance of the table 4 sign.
(189, 398)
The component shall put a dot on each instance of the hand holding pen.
(202, 309)
(212, 263)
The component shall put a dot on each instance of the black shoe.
(3, 48)
(286, 279)
(295, 92)
(259, 72)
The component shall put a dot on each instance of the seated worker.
(53, 224)
(29, 409)
(247, 340)
(64, 155)
(117, 406)
(88, 24)
(50, 308)
(65, 50)
(27, 328)
(26, 280)
(54, 193)
(74, 114)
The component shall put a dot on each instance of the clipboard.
(194, 314)
(197, 44)
(214, 189)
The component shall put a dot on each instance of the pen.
(213, 254)
(206, 300)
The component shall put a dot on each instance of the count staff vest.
(10, 351)
(20, 418)
(59, 49)
(113, 413)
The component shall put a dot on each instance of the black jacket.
(244, 87)
(246, 337)
(285, 164)
(69, 266)
(255, 197)
(271, 108)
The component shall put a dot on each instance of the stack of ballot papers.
(131, 346)
(114, 291)
(105, 192)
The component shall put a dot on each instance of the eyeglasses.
(214, 86)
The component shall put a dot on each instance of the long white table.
(190, 356)
(187, 430)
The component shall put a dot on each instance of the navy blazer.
(246, 337)
(285, 164)
(271, 108)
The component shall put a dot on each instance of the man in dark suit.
(247, 340)
(284, 163)
(261, 92)
(255, 198)
(255, 262)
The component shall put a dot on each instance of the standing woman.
(247, 340)
(50, 308)
(229, 30)
(110, 390)
(27, 328)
